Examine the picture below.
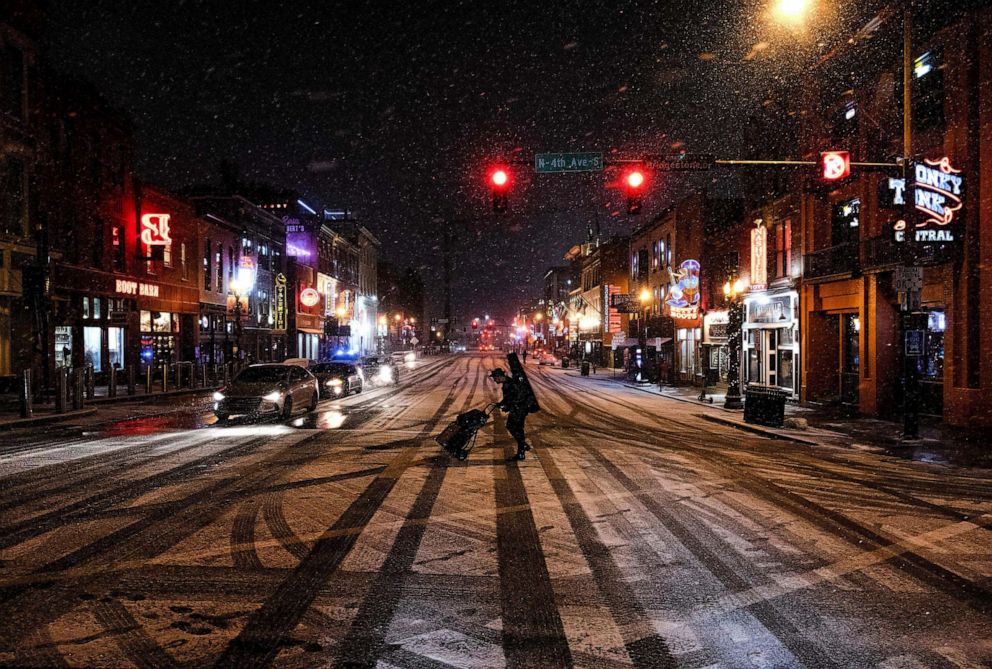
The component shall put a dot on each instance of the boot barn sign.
(938, 196)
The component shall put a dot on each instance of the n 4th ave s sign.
(550, 163)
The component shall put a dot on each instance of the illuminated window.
(182, 261)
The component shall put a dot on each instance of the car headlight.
(274, 396)
(385, 373)
(334, 382)
(410, 357)
(218, 396)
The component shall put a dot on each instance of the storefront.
(931, 364)
(771, 340)
(716, 354)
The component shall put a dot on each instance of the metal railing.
(833, 261)
(881, 253)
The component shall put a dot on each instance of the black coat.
(514, 396)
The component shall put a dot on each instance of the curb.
(143, 398)
(763, 431)
(44, 420)
(690, 400)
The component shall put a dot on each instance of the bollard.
(90, 382)
(78, 380)
(227, 374)
(203, 374)
(26, 409)
(61, 387)
(112, 382)
(165, 377)
(131, 389)
(148, 379)
(178, 383)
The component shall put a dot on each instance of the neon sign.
(125, 287)
(155, 229)
(280, 306)
(683, 296)
(938, 196)
(309, 297)
(759, 256)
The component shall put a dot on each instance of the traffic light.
(499, 184)
(634, 183)
(835, 165)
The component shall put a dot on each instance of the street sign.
(414, 341)
(683, 162)
(552, 163)
(907, 279)
(625, 303)
(914, 343)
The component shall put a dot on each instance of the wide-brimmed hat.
(499, 371)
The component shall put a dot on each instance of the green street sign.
(551, 163)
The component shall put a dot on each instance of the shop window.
(145, 321)
(115, 347)
(13, 197)
(92, 346)
(63, 346)
(933, 359)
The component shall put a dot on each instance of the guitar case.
(517, 372)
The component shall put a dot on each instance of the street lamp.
(733, 292)
(791, 11)
(236, 289)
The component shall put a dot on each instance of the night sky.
(396, 111)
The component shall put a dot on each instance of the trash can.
(764, 406)
(564, 363)
(585, 368)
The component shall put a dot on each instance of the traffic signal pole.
(910, 305)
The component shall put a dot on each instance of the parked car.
(267, 389)
(338, 379)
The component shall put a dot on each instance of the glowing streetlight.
(791, 11)
(398, 318)
(538, 316)
(645, 296)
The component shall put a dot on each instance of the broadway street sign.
(551, 163)
(683, 162)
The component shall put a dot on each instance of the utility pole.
(447, 270)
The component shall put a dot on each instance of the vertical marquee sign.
(937, 192)
(759, 256)
(280, 306)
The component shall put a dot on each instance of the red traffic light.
(499, 178)
(635, 179)
(835, 165)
